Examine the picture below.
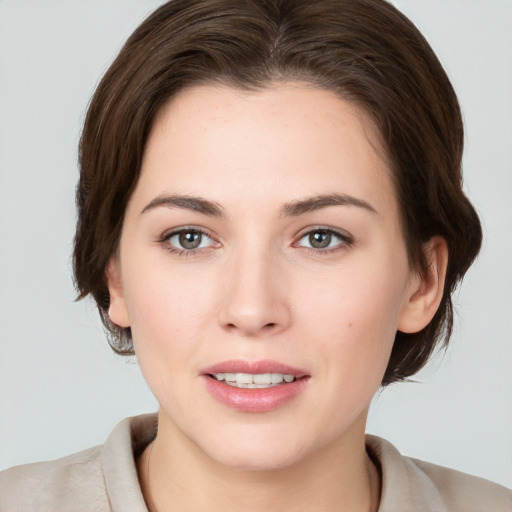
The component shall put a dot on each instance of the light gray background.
(62, 389)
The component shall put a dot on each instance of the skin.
(257, 289)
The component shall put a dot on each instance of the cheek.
(350, 299)
(165, 299)
(167, 313)
(354, 315)
(166, 321)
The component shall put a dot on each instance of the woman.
(271, 218)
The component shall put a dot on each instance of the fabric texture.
(104, 479)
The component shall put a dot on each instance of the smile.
(254, 380)
(254, 386)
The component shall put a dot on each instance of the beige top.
(104, 479)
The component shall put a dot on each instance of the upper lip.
(254, 367)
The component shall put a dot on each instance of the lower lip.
(254, 400)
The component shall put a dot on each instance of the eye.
(185, 240)
(324, 239)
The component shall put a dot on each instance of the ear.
(426, 291)
(117, 311)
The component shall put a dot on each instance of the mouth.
(254, 380)
(254, 386)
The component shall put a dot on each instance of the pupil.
(190, 239)
(320, 239)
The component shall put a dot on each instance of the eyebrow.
(323, 201)
(293, 209)
(196, 204)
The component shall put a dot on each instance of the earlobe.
(117, 311)
(427, 290)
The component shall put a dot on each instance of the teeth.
(244, 378)
(262, 378)
(254, 381)
(276, 378)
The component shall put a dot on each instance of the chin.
(256, 453)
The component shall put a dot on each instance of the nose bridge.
(254, 300)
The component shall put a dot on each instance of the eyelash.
(345, 241)
(165, 241)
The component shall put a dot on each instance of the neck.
(176, 475)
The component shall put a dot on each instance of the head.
(363, 51)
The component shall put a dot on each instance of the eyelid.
(346, 240)
(167, 235)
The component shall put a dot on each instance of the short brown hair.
(366, 51)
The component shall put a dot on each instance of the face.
(262, 244)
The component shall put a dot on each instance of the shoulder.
(461, 491)
(56, 485)
(411, 484)
(100, 479)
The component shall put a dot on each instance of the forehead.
(288, 139)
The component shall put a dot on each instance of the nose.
(254, 296)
